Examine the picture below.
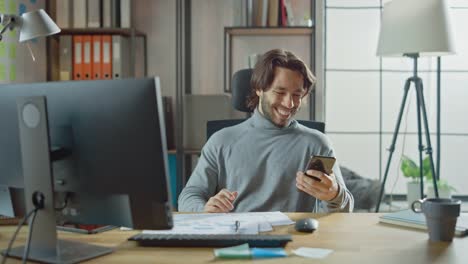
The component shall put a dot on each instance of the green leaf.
(409, 167)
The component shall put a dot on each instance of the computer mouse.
(307, 225)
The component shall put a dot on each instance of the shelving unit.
(131, 33)
(231, 33)
(240, 42)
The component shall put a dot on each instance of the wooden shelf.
(258, 31)
(101, 31)
(267, 33)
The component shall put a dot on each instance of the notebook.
(408, 218)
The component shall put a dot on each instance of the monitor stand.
(37, 172)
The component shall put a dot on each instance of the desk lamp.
(412, 29)
(31, 25)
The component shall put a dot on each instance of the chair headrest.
(240, 89)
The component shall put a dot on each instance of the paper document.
(274, 218)
(314, 253)
(225, 223)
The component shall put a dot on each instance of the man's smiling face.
(280, 102)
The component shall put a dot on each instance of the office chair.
(240, 88)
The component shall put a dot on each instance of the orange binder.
(87, 55)
(77, 57)
(106, 57)
(97, 57)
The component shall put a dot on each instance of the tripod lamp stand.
(414, 29)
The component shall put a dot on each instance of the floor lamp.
(414, 29)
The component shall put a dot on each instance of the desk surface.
(355, 238)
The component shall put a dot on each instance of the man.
(256, 165)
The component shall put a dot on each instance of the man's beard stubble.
(267, 109)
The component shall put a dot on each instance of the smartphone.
(320, 163)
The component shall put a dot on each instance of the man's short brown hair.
(264, 72)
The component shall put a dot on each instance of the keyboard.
(179, 240)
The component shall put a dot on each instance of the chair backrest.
(240, 88)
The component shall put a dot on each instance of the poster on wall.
(18, 62)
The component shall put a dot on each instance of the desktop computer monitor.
(95, 148)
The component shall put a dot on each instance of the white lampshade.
(420, 27)
(36, 24)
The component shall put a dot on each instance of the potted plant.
(411, 170)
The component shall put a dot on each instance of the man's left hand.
(325, 188)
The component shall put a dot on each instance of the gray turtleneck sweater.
(260, 161)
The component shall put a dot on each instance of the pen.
(237, 225)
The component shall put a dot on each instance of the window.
(364, 93)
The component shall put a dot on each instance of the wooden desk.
(355, 238)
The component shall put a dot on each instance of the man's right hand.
(221, 202)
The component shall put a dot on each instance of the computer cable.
(31, 226)
(38, 202)
(65, 202)
(10, 244)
